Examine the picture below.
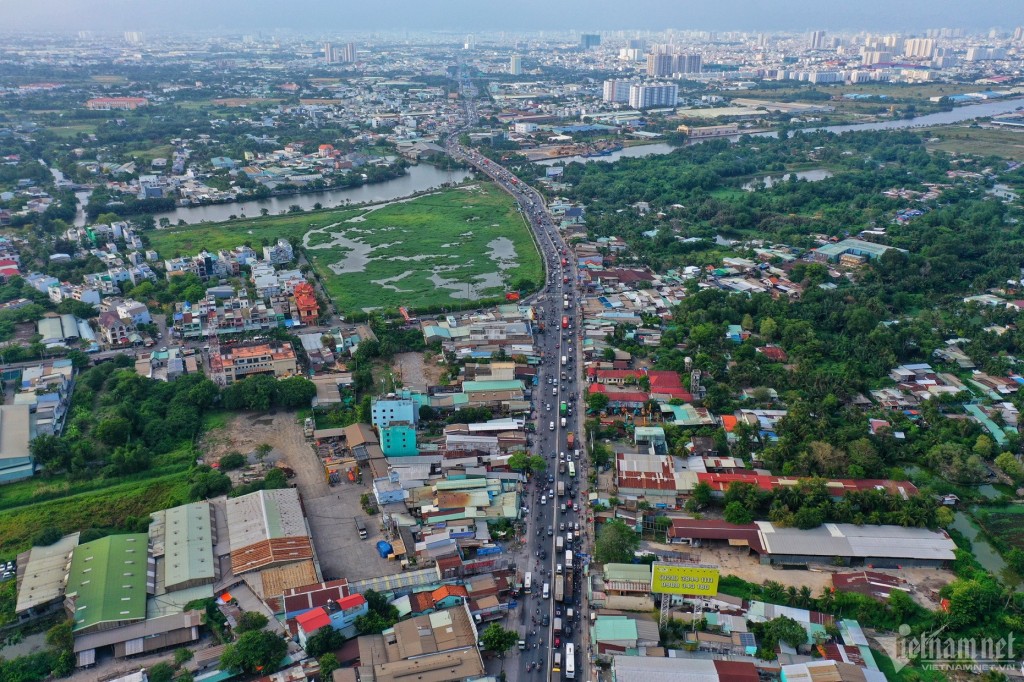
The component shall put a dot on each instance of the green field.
(1002, 142)
(441, 249)
(1005, 524)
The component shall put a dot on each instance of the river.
(957, 115)
(418, 178)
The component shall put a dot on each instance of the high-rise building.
(328, 53)
(616, 91)
(515, 65)
(659, 65)
(649, 95)
(688, 63)
(1018, 34)
(348, 53)
(133, 37)
(978, 54)
(817, 40)
(589, 40)
(922, 48)
(635, 44)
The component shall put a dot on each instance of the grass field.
(253, 231)
(1006, 524)
(440, 249)
(73, 131)
(100, 509)
(1004, 143)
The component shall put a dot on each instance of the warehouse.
(874, 546)
(871, 546)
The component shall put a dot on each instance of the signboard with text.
(684, 579)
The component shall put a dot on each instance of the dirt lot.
(417, 373)
(329, 510)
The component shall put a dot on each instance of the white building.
(616, 91)
(647, 96)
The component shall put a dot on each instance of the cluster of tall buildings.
(344, 54)
(641, 95)
(662, 64)
(589, 40)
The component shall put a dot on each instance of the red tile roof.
(645, 480)
(711, 529)
(351, 602)
(311, 621)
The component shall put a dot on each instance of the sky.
(337, 16)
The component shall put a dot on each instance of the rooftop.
(43, 573)
(108, 580)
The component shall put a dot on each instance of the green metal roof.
(188, 544)
(632, 572)
(507, 385)
(608, 628)
(108, 579)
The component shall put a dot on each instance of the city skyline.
(530, 15)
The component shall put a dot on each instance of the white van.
(551, 426)
(547, 591)
(563, 422)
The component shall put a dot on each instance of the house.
(16, 433)
(114, 331)
(393, 408)
(280, 253)
(338, 615)
(306, 304)
(236, 363)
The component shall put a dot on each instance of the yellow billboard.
(681, 579)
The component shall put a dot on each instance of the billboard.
(682, 579)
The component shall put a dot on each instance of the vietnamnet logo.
(934, 651)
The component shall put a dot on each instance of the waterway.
(957, 115)
(986, 555)
(418, 178)
(768, 181)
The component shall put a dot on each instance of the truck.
(561, 488)
(565, 323)
(361, 527)
(557, 622)
(570, 440)
(563, 407)
(559, 544)
(559, 588)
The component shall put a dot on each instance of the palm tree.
(805, 597)
(827, 599)
(773, 592)
(791, 595)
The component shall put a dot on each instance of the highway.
(558, 382)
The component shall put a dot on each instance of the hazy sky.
(329, 16)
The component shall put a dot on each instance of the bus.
(572, 469)
(528, 582)
(570, 661)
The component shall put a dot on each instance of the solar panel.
(747, 639)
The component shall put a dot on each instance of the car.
(551, 531)
(561, 527)
(551, 478)
(577, 526)
(551, 493)
(558, 612)
(558, 642)
(568, 503)
(546, 620)
(543, 555)
(567, 630)
(543, 499)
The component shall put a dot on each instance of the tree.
(328, 664)
(701, 494)
(232, 460)
(596, 402)
(262, 450)
(1010, 466)
(499, 640)
(51, 452)
(519, 461)
(47, 536)
(251, 620)
(182, 656)
(736, 512)
(255, 651)
(984, 446)
(160, 672)
(323, 641)
(113, 431)
(616, 543)
(538, 464)
(295, 392)
(769, 328)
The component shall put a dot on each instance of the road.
(558, 383)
